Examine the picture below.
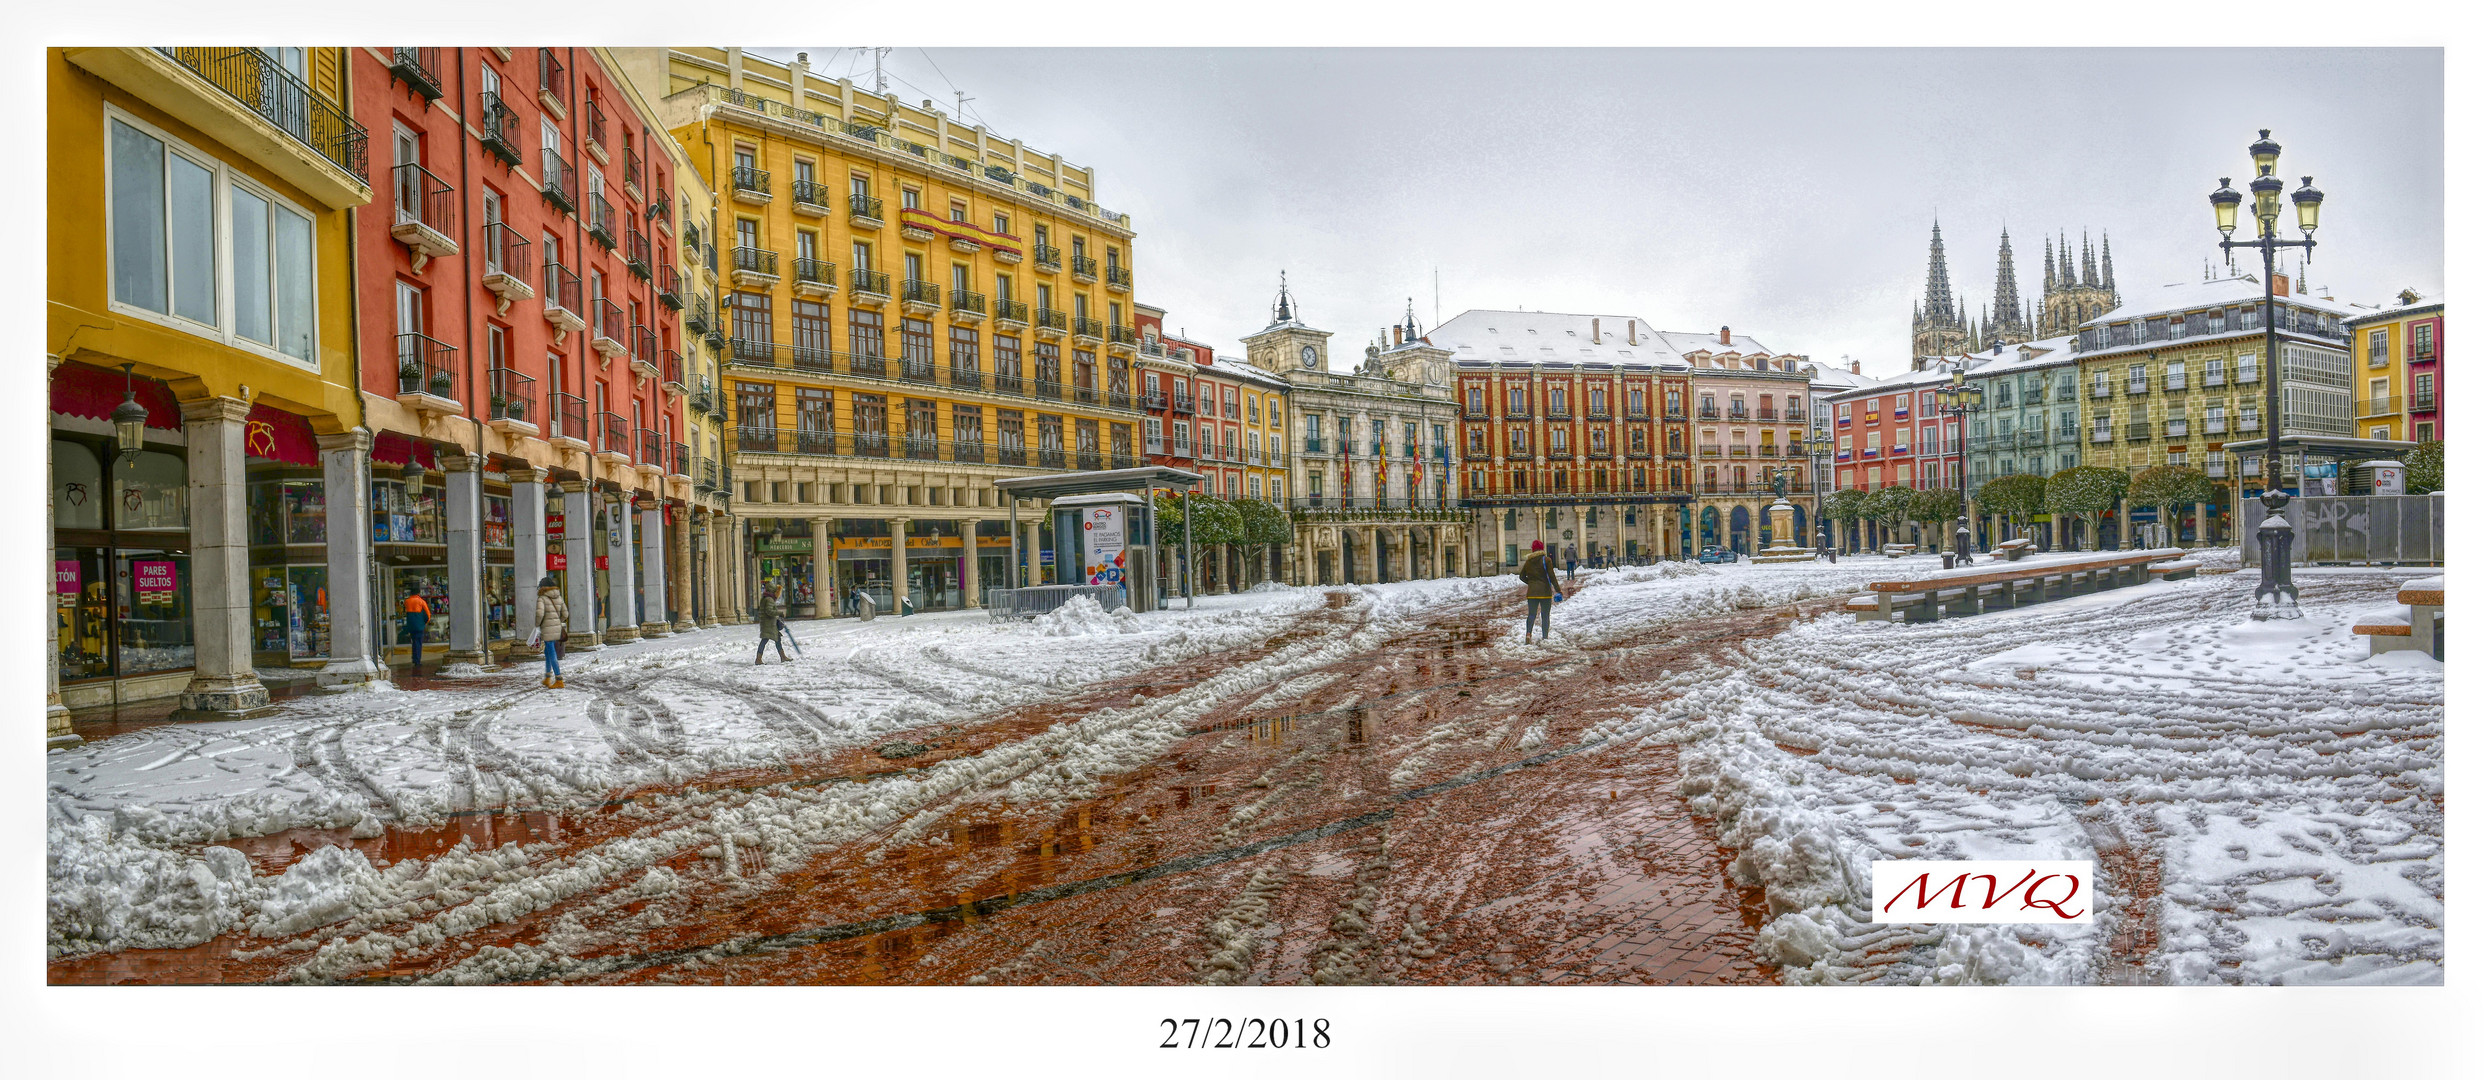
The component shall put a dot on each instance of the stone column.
(222, 685)
(579, 573)
(463, 488)
(653, 620)
(1029, 554)
(738, 555)
(527, 557)
(622, 599)
(899, 562)
(56, 729)
(679, 567)
(969, 575)
(343, 457)
(825, 572)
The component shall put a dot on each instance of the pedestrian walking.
(552, 627)
(418, 619)
(1539, 590)
(765, 618)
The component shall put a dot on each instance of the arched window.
(78, 494)
(151, 492)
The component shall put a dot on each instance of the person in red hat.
(1539, 590)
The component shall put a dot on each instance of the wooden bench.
(1970, 592)
(2173, 571)
(2418, 625)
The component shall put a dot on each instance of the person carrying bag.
(1539, 590)
(552, 628)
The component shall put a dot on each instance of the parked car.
(1713, 553)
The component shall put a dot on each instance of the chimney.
(1725, 335)
(1855, 367)
(1595, 328)
(735, 68)
(795, 79)
(2282, 284)
(1630, 331)
(1396, 335)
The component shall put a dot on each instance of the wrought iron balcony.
(865, 211)
(592, 127)
(1087, 327)
(925, 293)
(670, 367)
(1011, 314)
(607, 332)
(561, 182)
(968, 303)
(424, 369)
(498, 126)
(1049, 319)
(1121, 335)
(810, 196)
(419, 66)
(644, 351)
(869, 282)
(1184, 404)
(1048, 257)
(1119, 278)
(613, 435)
(652, 449)
(511, 397)
(754, 265)
(669, 287)
(601, 221)
(2139, 386)
(751, 184)
(2140, 431)
(553, 83)
(636, 253)
(820, 273)
(679, 460)
(425, 206)
(567, 417)
(509, 265)
(255, 79)
(562, 295)
(1085, 269)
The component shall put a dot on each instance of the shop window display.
(152, 588)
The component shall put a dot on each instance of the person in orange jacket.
(418, 618)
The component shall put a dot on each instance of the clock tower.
(1288, 347)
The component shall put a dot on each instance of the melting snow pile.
(1081, 616)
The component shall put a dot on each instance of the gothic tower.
(2006, 308)
(2075, 289)
(1937, 325)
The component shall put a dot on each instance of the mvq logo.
(1941, 891)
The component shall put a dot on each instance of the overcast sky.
(1787, 193)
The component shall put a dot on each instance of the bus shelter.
(1068, 493)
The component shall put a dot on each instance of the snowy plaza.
(1366, 784)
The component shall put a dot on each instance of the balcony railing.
(601, 221)
(2368, 408)
(1050, 319)
(1154, 400)
(670, 367)
(633, 169)
(669, 286)
(2139, 386)
(508, 253)
(1085, 326)
(606, 321)
(2101, 389)
(424, 367)
(865, 206)
(551, 80)
(817, 272)
(753, 260)
(652, 449)
(512, 396)
(592, 123)
(422, 199)
(810, 193)
(2426, 401)
(752, 180)
(498, 126)
(1183, 403)
(644, 346)
(679, 459)
(2216, 425)
(1708, 412)
(1119, 277)
(1011, 311)
(568, 417)
(561, 182)
(1085, 266)
(1121, 335)
(2101, 435)
(255, 79)
(1048, 257)
(2173, 429)
(698, 319)
(1045, 389)
(973, 303)
(636, 253)
(613, 434)
(2140, 431)
(921, 292)
(562, 289)
(869, 281)
(420, 67)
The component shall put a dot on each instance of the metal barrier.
(1038, 600)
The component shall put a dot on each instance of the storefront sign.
(555, 560)
(1046, 556)
(553, 524)
(1102, 535)
(600, 562)
(154, 581)
(65, 577)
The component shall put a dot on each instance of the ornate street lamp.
(1955, 399)
(1820, 454)
(2277, 597)
(413, 474)
(129, 419)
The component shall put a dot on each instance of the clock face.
(1306, 356)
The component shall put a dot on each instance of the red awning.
(278, 435)
(392, 448)
(92, 392)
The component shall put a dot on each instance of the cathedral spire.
(2067, 266)
(1940, 300)
(2108, 285)
(2091, 275)
(2006, 308)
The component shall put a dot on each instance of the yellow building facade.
(2396, 369)
(198, 234)
(912, 309)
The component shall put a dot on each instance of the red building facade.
(522, 372)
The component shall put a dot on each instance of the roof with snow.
(1546, 337)
(2421, 303)
(1244, 372)
(2195, 295)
